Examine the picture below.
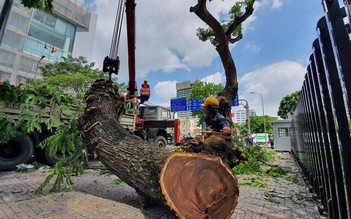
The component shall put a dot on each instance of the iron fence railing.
(320, 130)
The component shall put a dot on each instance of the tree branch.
(236, 39)
(238, 20)
(201, 11)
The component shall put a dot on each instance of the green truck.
(155, 124)
(25, 146)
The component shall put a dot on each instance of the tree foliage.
(288, 104)
(45, 5)
(27, 96)
(202, 90)
(236, 11)
(75, 74)
(257, 124)
(242, 129)
(61, 88)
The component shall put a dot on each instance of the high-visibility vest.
(145, 91)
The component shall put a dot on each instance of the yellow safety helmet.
(211, 101)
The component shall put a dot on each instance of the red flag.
(53, 50)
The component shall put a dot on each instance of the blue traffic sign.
(195, 104)
(236, 101)
(178, 104)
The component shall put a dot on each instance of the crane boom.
(130, 14)
(111, 63)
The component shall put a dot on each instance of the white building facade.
(34, 38)
(239, 115)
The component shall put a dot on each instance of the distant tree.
(202, 90)
(242, 128)
(221, 34)
(73, 73)
(257, 126)
(288, 104)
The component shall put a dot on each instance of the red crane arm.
(130, 14)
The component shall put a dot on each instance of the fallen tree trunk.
(193, 185)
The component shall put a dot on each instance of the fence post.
(338, 106)
(317, 68)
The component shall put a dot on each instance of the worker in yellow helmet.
(145, 84)
(214, 120)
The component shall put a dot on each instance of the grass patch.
(295, 179)
(117, 181)
(252, 166)
(263, 162)
(258, 156)
(276, 172)
(256, 182)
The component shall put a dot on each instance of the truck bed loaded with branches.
(29, 116)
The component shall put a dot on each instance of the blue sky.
(270, 59)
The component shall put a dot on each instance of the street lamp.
(36, 69)
(264, 118)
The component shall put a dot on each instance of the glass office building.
(34, 38)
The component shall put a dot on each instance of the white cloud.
(165, 36)
(277, 4)
(216, 78)
(272, 4)
(165, 90)
(273, 82)
(252, 46)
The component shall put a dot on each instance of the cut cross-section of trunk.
(197, 186)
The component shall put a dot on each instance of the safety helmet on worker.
(145, 79)
(211, 101)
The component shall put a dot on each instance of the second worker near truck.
(214, 120)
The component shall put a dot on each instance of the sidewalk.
(94, 195)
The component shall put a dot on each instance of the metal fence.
(320, 130)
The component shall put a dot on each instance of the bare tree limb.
(238, 20)
(236, 39)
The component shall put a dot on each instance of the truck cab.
(155, 124)
(154, 112)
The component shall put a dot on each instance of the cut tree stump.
(196, 186)
(193, 185)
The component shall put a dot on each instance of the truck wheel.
(16, 151)
(58, 156)
(160, 141)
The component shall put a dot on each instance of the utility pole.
(5, 13)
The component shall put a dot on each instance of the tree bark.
(193, 185)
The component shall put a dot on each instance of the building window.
(50, 36)
(4, 76)
(61, 25)
(27, 65)
(18, 21)
(71, 30)
(44, 18)
(283, 132)
(13, 39)
(7, 59)
(50, 21)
